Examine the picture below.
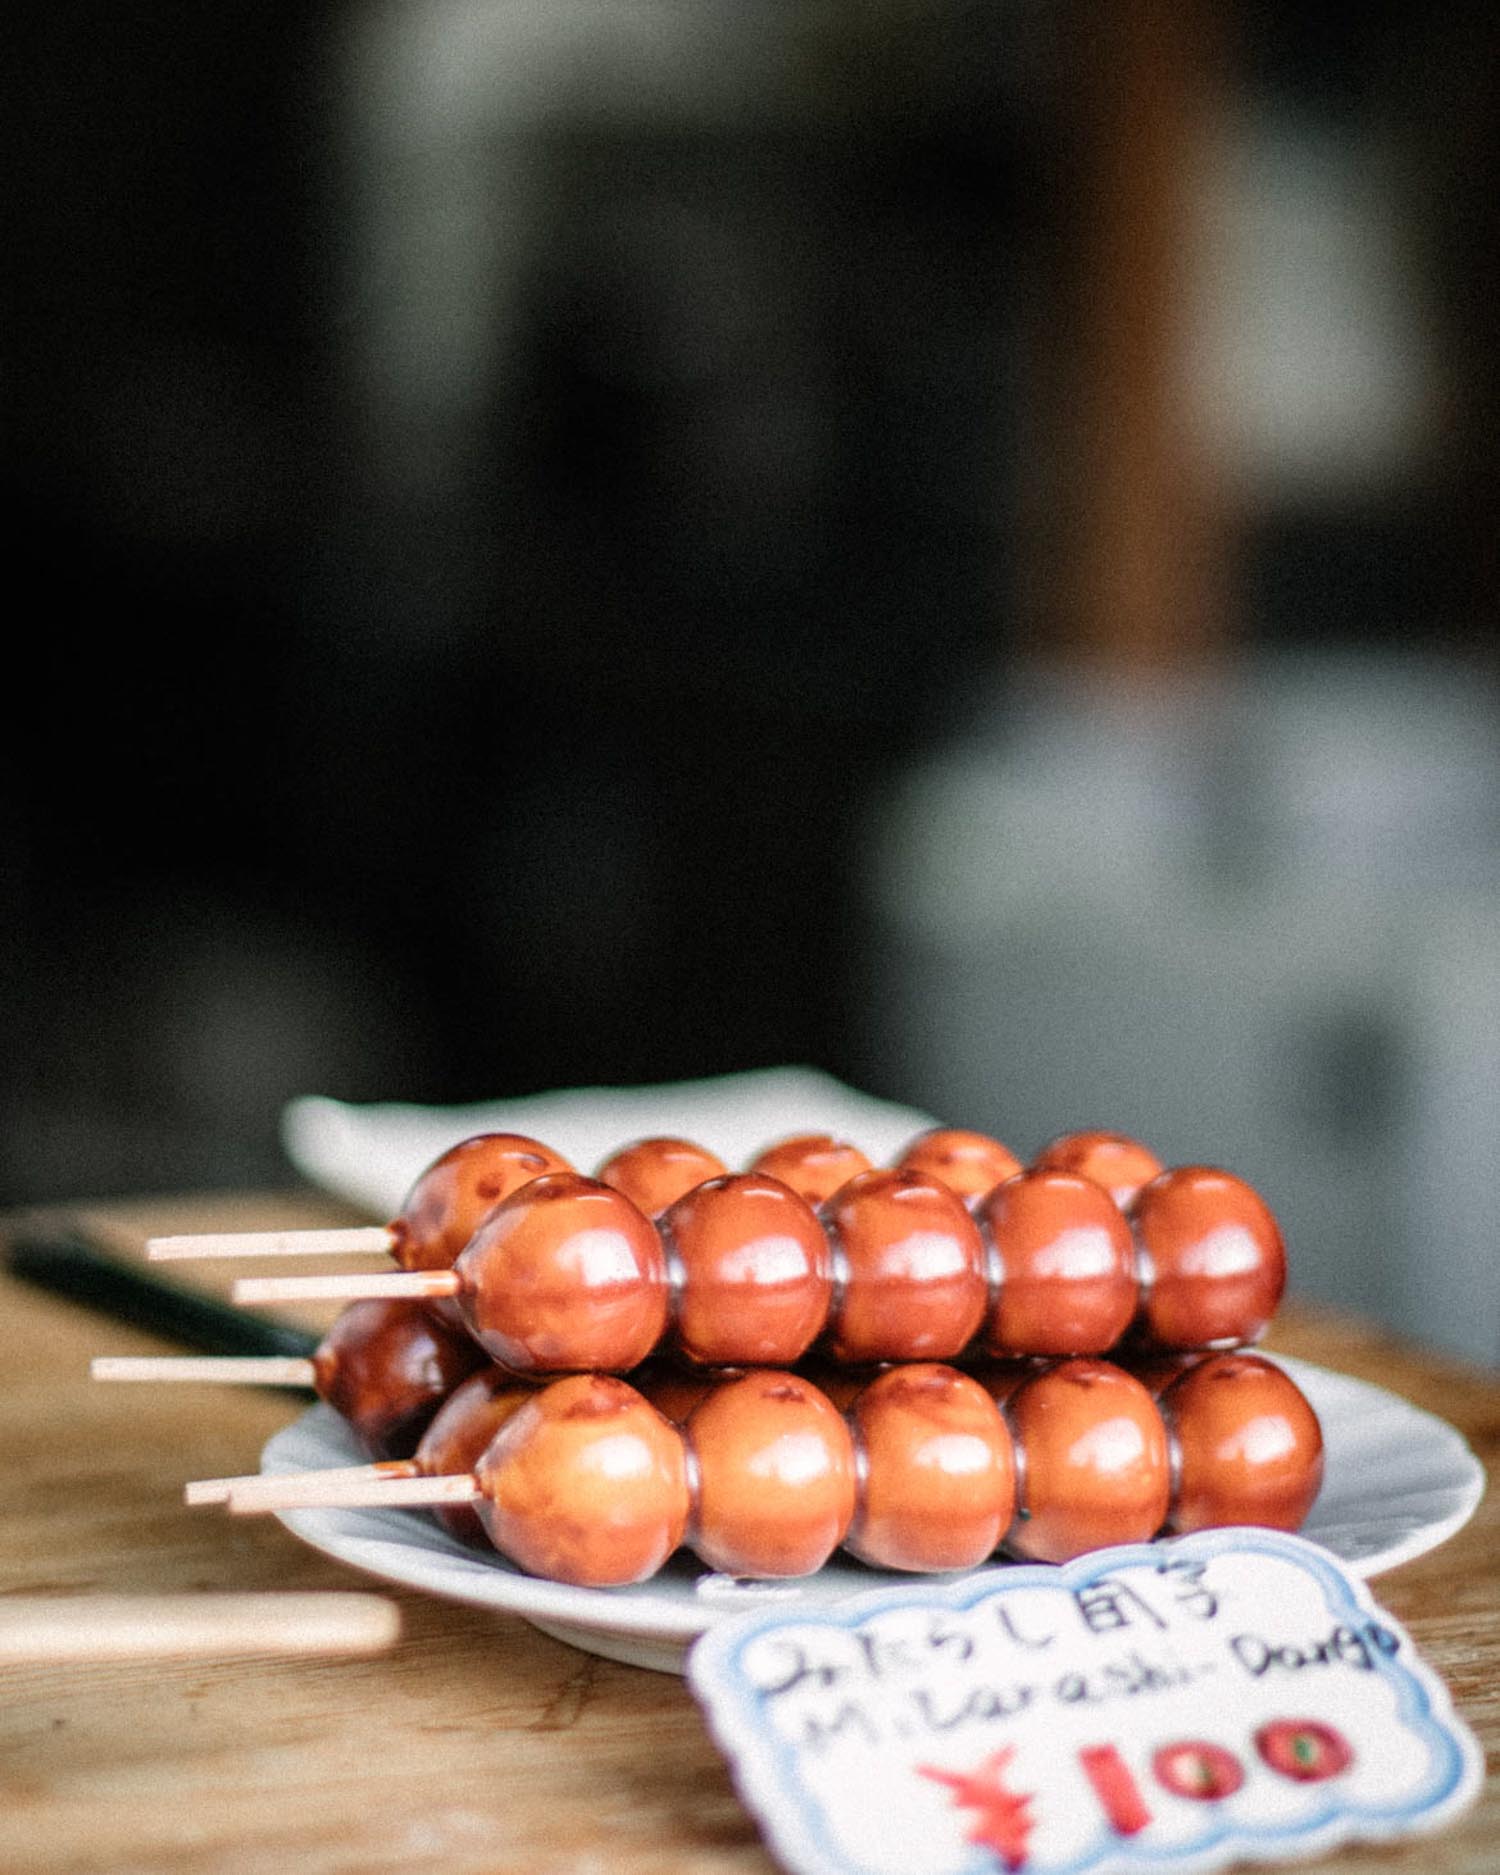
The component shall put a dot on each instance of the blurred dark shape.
(532, 746)
(502, 494)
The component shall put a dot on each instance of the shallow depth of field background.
(617, 541)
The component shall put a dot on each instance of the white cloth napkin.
(371, 1153)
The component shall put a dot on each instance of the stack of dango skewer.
(925, 1363)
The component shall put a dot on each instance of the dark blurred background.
(612, 542)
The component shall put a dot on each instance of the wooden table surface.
(478, 1745)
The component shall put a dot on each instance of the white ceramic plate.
(1398, 1481)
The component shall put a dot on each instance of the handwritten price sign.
(1232, 1695)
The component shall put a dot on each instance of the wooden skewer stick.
(347, 1491)
(214, 1490)
(164, 1627)
(352, 1240)
(267, 1370)
(421, 1285)
(283, 1489)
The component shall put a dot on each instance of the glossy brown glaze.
(386, 1367)
(1062, 1263)
(565, 1275)
(909, 1265)
(654, 1173)
(815, 1165)
(752, 1266)
(1212, 1261)
(585, 1483)
(568, 1275)
(938, 1470)
(775, 1471)
(969, 1164)
(464, 1426)
(1115, 1161)
(920, 1468)
(448, 1202)
(1095, 1467)
(1249, 1446)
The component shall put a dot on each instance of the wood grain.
(478, 1746)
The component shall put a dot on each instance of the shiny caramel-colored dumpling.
(938, 1472)
(815, 1165)
(566, 1275)
(1096, 1461)
(654, 1173)
(457, 1192)
(1213, 1264)
(1065, 1266)
(1250, 1448)
(585, 1483)
(465, 1424)
(753, 1269)
(969, 1164)
(386, 1366)
(775, 1470)
(1114, 1160)
(909, 1263)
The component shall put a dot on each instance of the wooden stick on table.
(174, 1627)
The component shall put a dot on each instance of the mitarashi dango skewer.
(567, 1275)
(385, 1365)
(437, 1218)
(450, 1198)
(926, 1468)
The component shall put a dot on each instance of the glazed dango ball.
(386, 1367)
(586, 1483)
(1120, 1164)
(447, 1203)
(1212, 1260)
(1064, 1265)
(938, 1470)
(1249, 1448)
(909, 1269)
(752, 1272)
(775, 1471)
(969, 1164)
(654, 1173)
(815, 1165)
(463, 1427)
(565, 1274)
(1097, 1465)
